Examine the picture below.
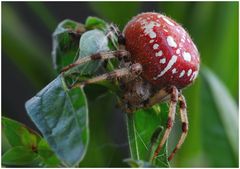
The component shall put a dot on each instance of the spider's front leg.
(171, 117)
(132, 71)
(120, 54)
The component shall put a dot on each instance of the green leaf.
(91, 42)
(138, 163)
(142, 127)
(19, 156)
(5, 143)
(66, 43)
(221, 124)
(18, 134)
(62, 117)
(95, 23)
(48, 157)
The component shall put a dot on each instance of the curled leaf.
(95, 23)
(66, 43)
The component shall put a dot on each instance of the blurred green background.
(27, 67)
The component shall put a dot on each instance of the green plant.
(209, 97)
(59, 111)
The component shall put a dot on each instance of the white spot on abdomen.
(148, 28)
(194, 75)
(155, 46)
(163, 60)
(151, 41)
(169, 66)
(152, 35)
(189, 72)
(187, 56)
(174, 71)
(159, 53)
(169, 22)
(182, 74)
(165, 30)
(178, 51)
(171, 42)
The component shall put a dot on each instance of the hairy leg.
(184, 120)
(156, 98)
(171, 117)
(134, 70)
(99, 56)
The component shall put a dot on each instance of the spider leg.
(99, 56)
(156, 98)
(184, 119)
(171, 117)
(114, 30)
(133, 70)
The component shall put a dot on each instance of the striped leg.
(158, 97)
(171, 117)
(184, 119)
(133, 71)
(99, 56)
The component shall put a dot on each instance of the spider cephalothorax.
(157, 59)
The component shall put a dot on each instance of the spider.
(157, 60)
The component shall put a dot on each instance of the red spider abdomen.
(163, 48)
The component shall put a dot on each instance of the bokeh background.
(27, 67)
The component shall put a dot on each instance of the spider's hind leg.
(171, 118)
(184, 120)
(158, 97)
